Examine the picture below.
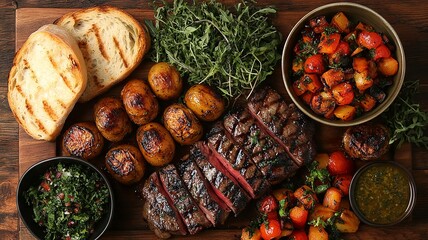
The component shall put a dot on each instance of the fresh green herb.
(318, 223)
(283, 204)
(315, 175)
(68, 202)
(406, 119)
(232, 50)
(330, 30)
(255, 224)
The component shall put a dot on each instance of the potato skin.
(82, 140)
(165, 81)
(139, 101)
(125, 163)
(183, 125)
(111, 119)
(156, 144)
(204, 102)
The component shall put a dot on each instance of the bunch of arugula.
(231, 50)
(406, 119)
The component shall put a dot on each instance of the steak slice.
(226, 188)
(193, 217)
(285, 123)
(236, 161)
(215, 210)
(161, 216)
(271, 158)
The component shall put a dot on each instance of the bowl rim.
(74, 160)
(412, 197)
(381, 107)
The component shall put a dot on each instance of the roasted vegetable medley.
(341, 69)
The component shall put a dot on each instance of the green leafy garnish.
(68, 202)
(232, 50)
(406, 119)
(322, 176)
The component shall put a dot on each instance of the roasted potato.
(139, 101)
(125, 164)
(156, 144)
(165, 81)
(82, 140)
(111, 119)
(204, 102)
(183, 125)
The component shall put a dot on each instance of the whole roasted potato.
(204, 102)
(183, 125)
(156, 144)
(82, 140)
(125, 164)
(111, 119)
(139, 101)
(165, 81)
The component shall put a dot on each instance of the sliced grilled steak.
(160, 214)
(215, 210)
(236, 161)
(193, 217)
(267, 154)
(285, 123)
(224, 185)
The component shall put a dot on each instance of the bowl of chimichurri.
(382, 193)
(65, 198)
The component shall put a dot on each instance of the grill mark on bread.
(28, 67)
(29, 108)
(19, 89)
(97, 81)
(101, 46)
(63, 77)
(49, 110)
(122, 56)
(61, 103)
(40, 126)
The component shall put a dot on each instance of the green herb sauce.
(382, 193)
(69, 201)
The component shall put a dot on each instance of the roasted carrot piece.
(311, 82)
(328, 42)
(356, 51)
(332, 198)
(318, 24)
(345, 112)
(333, 77)
(367, 103)
(297, 65)
(321, 212)
(314, 64)
(298, 216)
(317, 233)
(369, 40)
(307, 97)
(343, 93)
(360, 64)
(362, 81)
(298, 87)
(341, 22)
(306, 196)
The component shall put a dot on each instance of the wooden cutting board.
(128, 222)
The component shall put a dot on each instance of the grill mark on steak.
(193, 217)
(215, 210)
(236, 161)
(284, 123)
(226, 188)
(267, 154)
(161, 216)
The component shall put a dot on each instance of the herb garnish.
(322, 176)
(68, 202)
(231, 50)
(406, 119)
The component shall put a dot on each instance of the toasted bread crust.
(47, 78)
(113, 44)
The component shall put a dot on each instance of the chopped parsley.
(69, 201)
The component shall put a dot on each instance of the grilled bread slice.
(47, 78)
(113, 44)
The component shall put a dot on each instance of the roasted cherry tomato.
(369, 40)
(343, 93)
(298, 235)
(339, 164)
(270, 230)
(343, 182)
(381, 52)
(314, 64)
(329, 42)
(268, 204)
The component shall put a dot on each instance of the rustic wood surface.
(18, 151)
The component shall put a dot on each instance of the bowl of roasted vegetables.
(65, 198)
(343, 64)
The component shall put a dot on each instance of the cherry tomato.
(369, 40)
(298, 216)
(343, 182)
(298, 235)
(339, 164)
(270, 230)
(381, 52)
(343, 93)
(268, 204)
(314, 64)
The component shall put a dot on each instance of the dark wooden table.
(409, 18)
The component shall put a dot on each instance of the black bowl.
(32, 176)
